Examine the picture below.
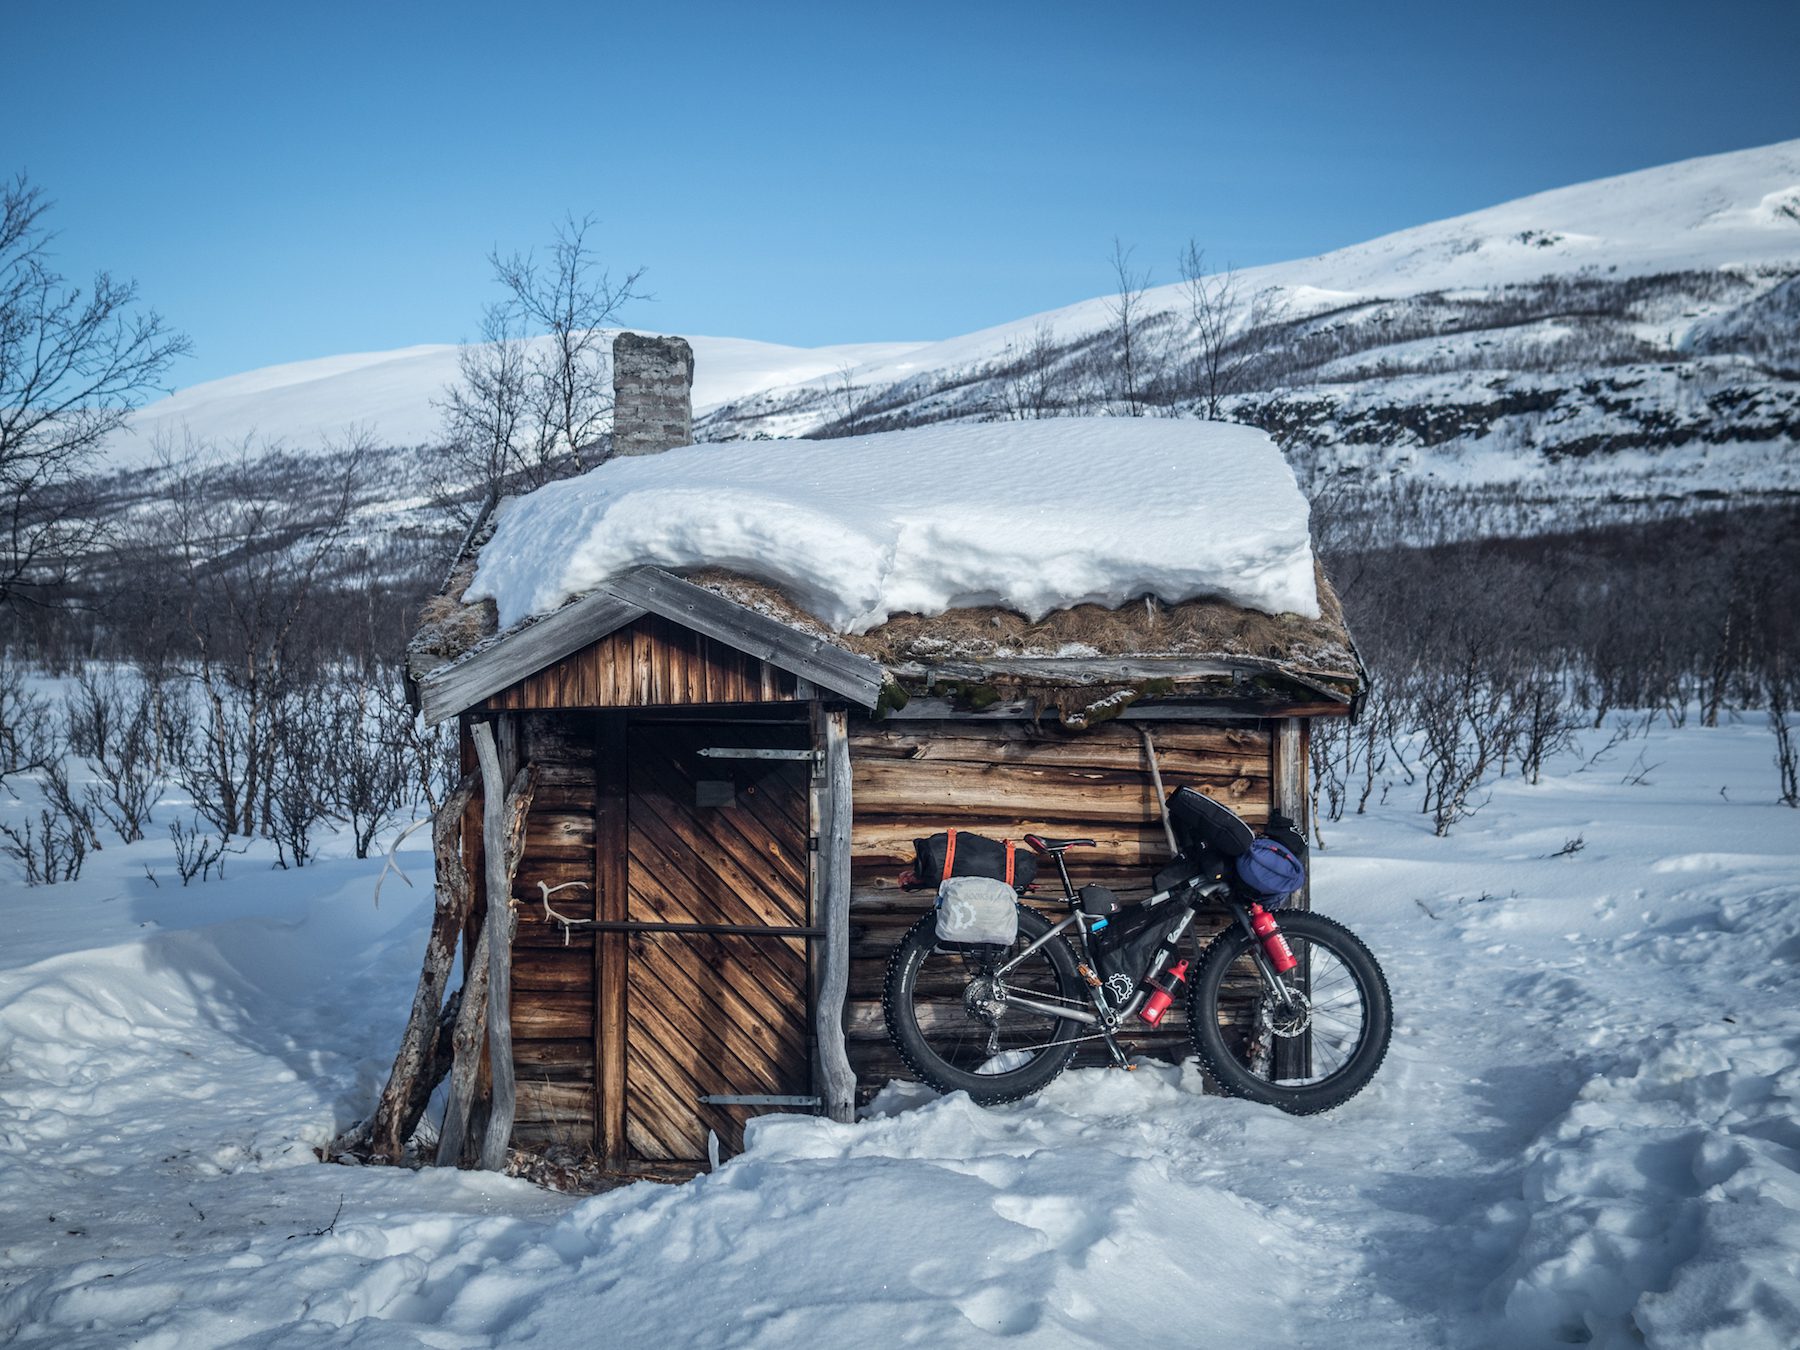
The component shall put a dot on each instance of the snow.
(390, 395)
(1731, 210)
(1584, 1131)
(1034, 516)
(1713, 212)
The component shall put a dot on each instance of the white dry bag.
(977, 909)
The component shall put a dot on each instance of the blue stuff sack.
(1270, 872)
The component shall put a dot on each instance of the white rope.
(551, 915)
(389, 865)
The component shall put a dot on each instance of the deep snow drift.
(1034, 516)
(1584, 1132)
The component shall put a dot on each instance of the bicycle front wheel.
(951, 1014)
(1309, 1056)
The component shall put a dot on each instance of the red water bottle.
(1279, 954)
(1163, 989)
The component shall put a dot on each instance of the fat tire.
(1236, 1081)
(916, 1051)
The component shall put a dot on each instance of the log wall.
(1008, 779)
(553, 981)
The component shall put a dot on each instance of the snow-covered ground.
(859, 528)
(1584, 1133)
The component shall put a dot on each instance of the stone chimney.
(653, 394)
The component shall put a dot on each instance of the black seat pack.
(958, 853)
(1202, 824)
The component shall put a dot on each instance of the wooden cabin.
(724, 794)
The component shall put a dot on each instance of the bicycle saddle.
(1039, 844)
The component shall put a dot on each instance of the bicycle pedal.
(1088, 975)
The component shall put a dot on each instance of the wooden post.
(612, 878)
(465, 1044)
(503, 841)
(1293, 1058)
(837, 1081)
(410, 1083)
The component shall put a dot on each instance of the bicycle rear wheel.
(949, 1016)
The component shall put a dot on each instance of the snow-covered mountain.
(1640, 330)
(391, 394)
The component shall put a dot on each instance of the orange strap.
(949, 857)
(1010, 846)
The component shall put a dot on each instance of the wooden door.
(719, 843)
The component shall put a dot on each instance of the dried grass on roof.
(1146, 628)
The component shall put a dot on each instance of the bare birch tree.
(73, 364)
(1127, 309)
(1231, 332)
(567, 300)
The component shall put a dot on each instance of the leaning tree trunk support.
(416, 1066)
(831, 900)
(487, 995)
(503, 842)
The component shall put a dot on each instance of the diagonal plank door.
(716, 842)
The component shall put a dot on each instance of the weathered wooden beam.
(410, 1082)
(827, 665)
(1081, 671)
(525, 650)
(503, 842)
(465, 1041)
(831, 911)
(611, 881)
(1293, 1056)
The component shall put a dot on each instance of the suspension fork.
(1272, 982)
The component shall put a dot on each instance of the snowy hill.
(1736, 211)
(390, 394)
(1636, 335)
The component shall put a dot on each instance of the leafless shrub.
(51, 849)
(78, 810)
(368, 753)
(115, 725)
(197, 854)
(29, 738)
(303, 740)
(1778, 687)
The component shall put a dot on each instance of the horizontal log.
(559, 738)
(1216, 752)
(892, 787)
(550, 833)
(555, 969)
(555, 1103)
(1175, 736)
(541, 1015)
(554, 1061)
(890, 841)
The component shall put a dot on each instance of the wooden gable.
(651, 662)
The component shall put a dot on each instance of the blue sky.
(301, 180)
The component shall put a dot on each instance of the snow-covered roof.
(1029, 516)
(1045, 558)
